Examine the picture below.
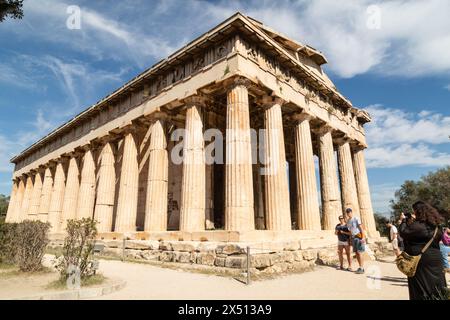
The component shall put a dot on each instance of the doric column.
(239, 212)
(69, 211)
(45, 195)
(128, 186)
(17, 213)
(57, 198)
(192, 214)
(36, 196)
(308, 206)
(362, 186)
(329, 185)
(104, 206)
(349, 195)
(25, 207)
(276, 189)
(158, 177)
(86, 194)
(10, 214)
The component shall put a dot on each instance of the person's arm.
(336, 231)
(361, 229)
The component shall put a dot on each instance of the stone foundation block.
(206, 258)
(235, 261)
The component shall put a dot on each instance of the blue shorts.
(358, 246)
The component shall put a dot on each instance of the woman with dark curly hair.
(416, 230)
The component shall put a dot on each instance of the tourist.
(357, 238)
(343, 235)
(416, 230)
(393, 236)
(444, 246)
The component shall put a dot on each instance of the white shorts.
(342, 243)
(395, 244)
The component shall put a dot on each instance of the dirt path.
(382, 281)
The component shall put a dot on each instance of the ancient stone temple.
(255, 100)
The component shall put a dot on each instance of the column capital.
(237, 81)
(342, 140)
(268, 101)
(196, 100)
(325, 128)
(304, 115)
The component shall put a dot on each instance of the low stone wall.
(266, 257)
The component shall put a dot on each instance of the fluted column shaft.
(239, 211)
(362, 186)
(104, 207)
(276, 187)
(46, 194)
(192, 214)
(35, 197)
(69, 210)
(10, 214)
(331, 203)
(57, 198)
(347, 179)
(158, 177)
(128, 187)
(17, 213)
(25, 207)
(86, 194)
(308, 206)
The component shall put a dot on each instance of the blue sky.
(398, 70)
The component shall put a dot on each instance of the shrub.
(30, 241)
(7, 244)
(78, 248)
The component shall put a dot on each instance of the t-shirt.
(392, 231)
(353, 225)
(341, 236)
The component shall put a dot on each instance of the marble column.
(128, 186)
(17, 213)
(307, 197)
(104, 206)
(276, 188)
(25, 206)
(158, 178)
(69, 211)
(349, 195)
(35, 196)
(362, 186)
(239, 211)
(86, 193)
(10, 214)
(193, 193)
(57, 198)
(46, 194)
(329, 185)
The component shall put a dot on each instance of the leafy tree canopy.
(11, 8)
(4, 201)
(433, 188)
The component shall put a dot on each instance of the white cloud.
(398, 138)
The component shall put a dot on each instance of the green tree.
(11, 8)
(4, 202)
(380, 222)
(432, 188)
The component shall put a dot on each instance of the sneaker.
(349, 269)
(360, 271)
(339, 268)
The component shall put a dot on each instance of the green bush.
(78, 248)
(30, 241)
(7, 244)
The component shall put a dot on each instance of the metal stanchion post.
(248, 265)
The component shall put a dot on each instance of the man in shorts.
(343, 235)
(358, 238)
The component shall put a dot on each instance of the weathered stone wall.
(266, 258)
